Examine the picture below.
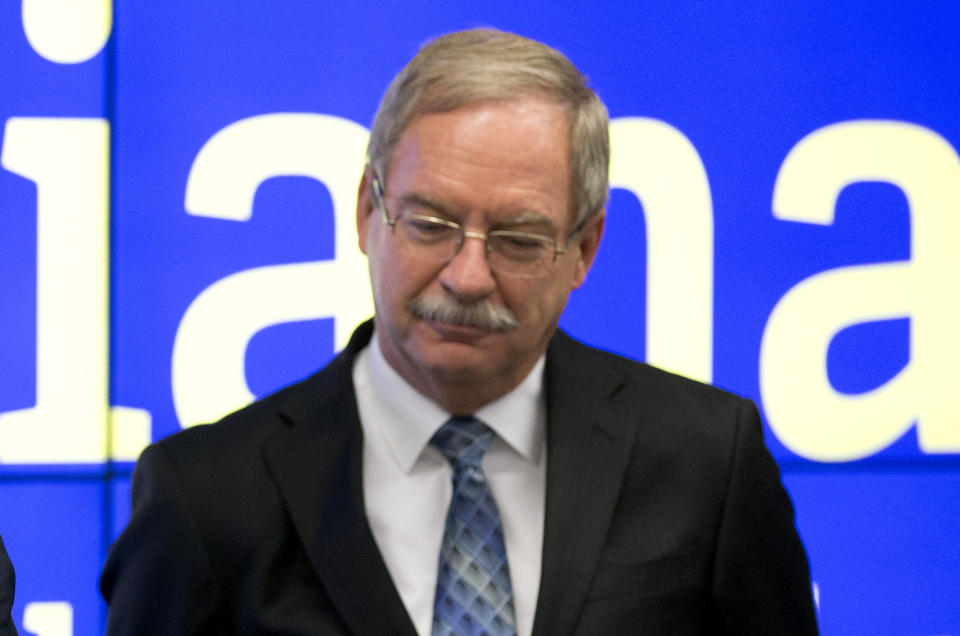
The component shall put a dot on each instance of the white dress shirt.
(407, 483)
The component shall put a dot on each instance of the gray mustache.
(482, 314)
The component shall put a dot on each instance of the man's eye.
(426, 230)
(521, 239)
(521, 242)
(518, 245)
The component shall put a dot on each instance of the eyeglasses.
(429, 238)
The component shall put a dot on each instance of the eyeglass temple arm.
(377, 188)
(561, 248)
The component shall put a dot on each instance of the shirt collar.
(407, 419)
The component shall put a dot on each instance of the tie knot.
(463, 439)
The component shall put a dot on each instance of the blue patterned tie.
(474, 596)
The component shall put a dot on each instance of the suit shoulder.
(328, 390)
(240, 435)
(685, 417)
(247, 424)
(598, 363)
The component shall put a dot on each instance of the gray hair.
(485, 64)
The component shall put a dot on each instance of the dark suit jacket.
(664, 515)
(7, 627)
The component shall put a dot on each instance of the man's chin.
(461, 372)
(461, 355)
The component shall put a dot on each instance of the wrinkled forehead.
(510, 139)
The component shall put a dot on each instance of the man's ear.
(364, 207)
(588, 242)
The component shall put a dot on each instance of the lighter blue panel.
(884, 548)
(53, 530)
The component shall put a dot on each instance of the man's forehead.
(518, 150)
(489, 124)
(507, 107)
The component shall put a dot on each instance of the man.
(7, 579)
(462, 467)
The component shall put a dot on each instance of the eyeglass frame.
(559, 248)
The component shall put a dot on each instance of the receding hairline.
(480, 65)
(565, 120)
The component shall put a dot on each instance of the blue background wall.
(836, 314)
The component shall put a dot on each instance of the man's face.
(490, 165)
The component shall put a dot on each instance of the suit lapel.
(316, 462)
(590, 438)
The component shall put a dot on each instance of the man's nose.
(467, 275)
